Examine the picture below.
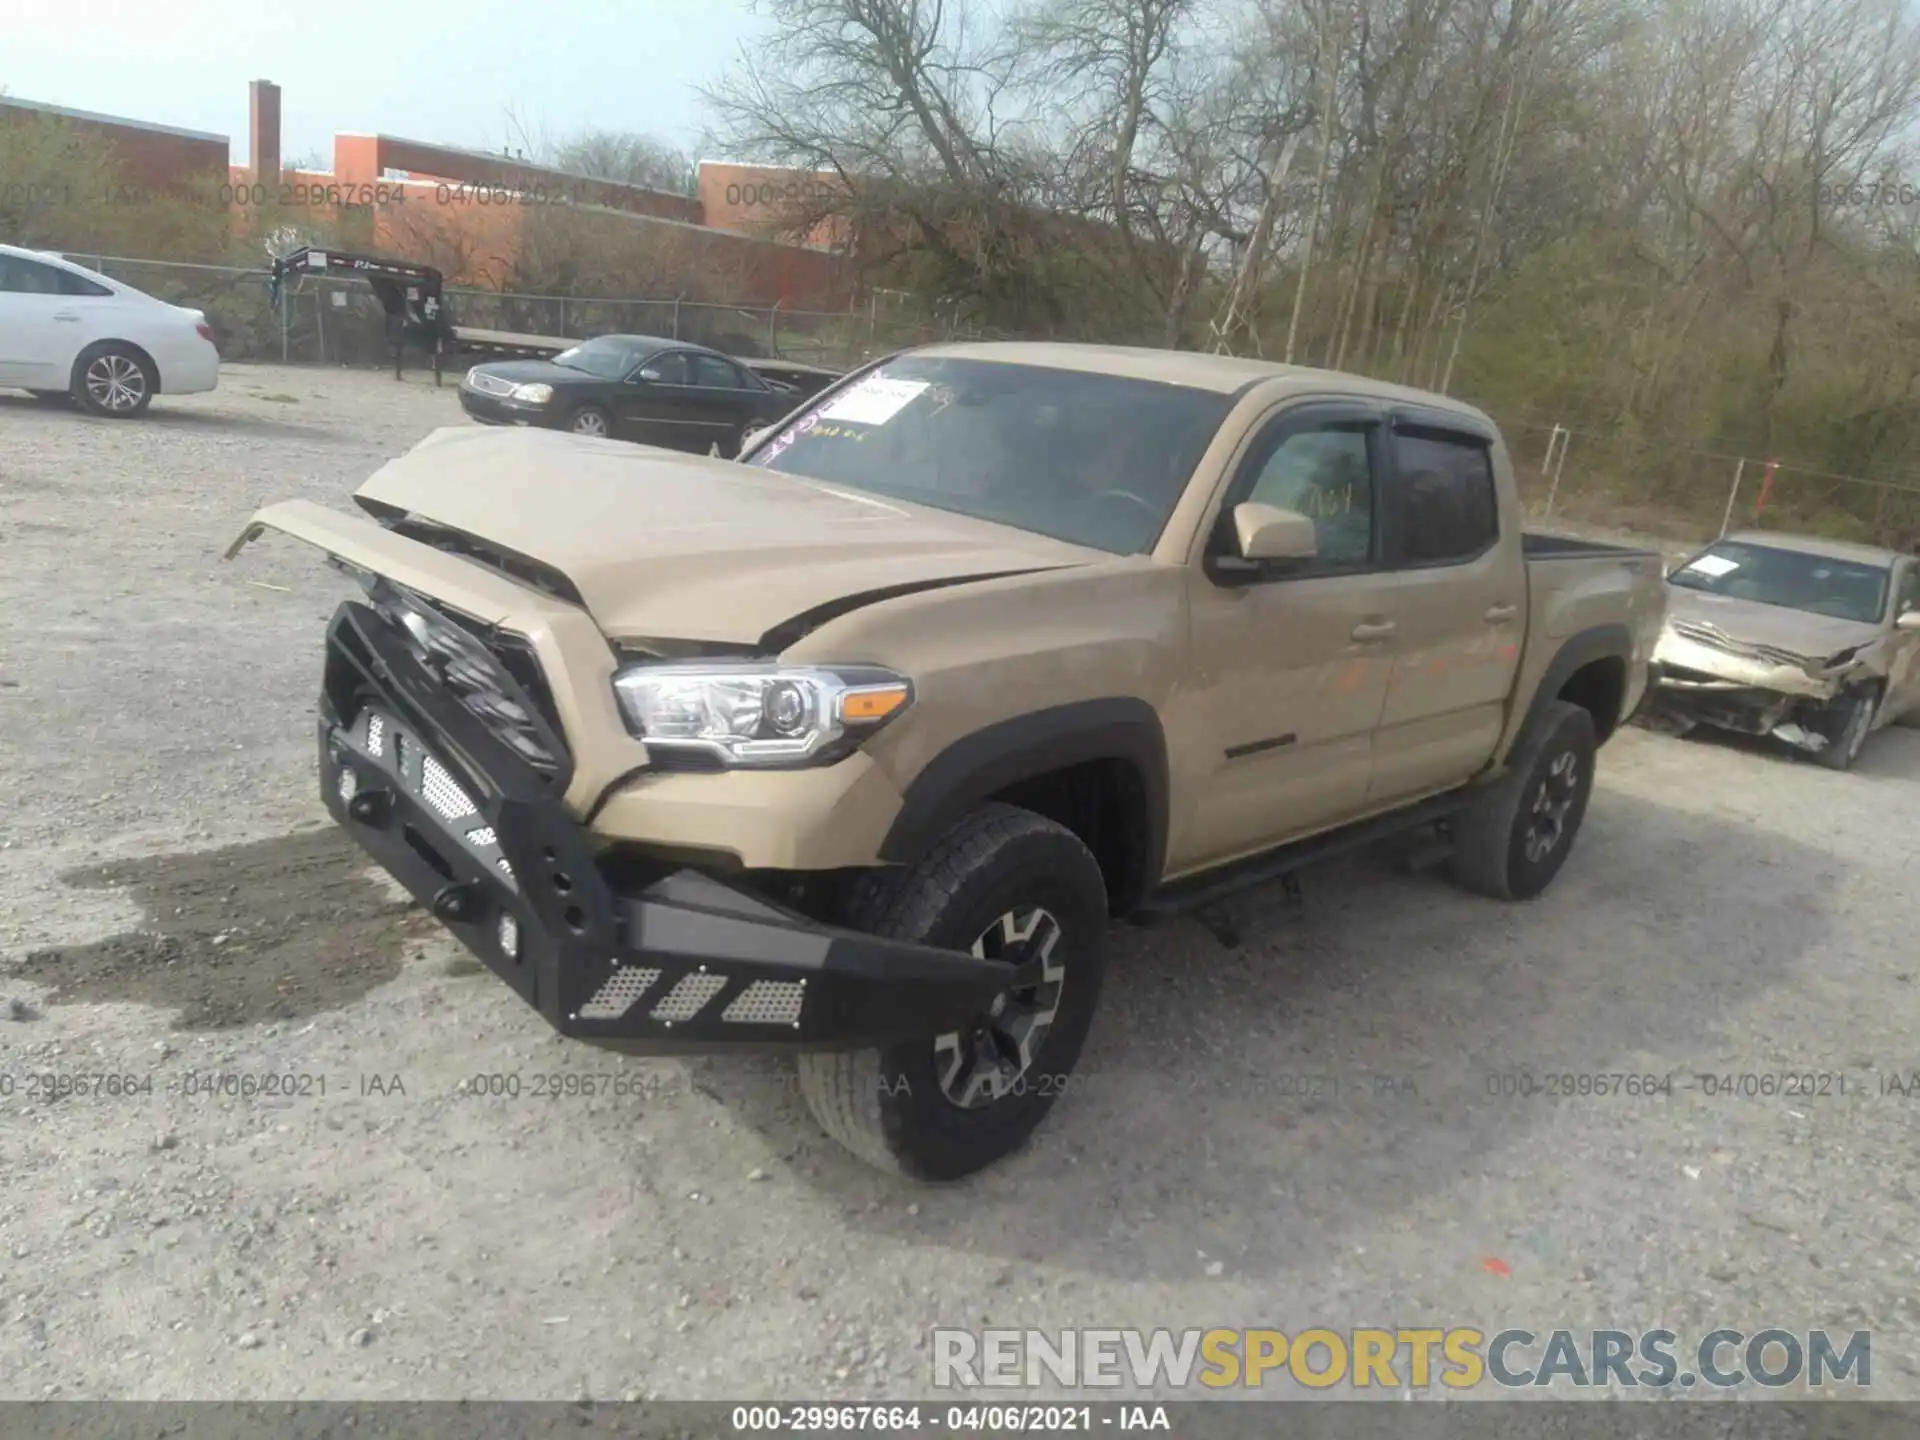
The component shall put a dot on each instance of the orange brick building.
(472, 213)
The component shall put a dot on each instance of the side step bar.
(1185, 896)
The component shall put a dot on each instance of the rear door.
(43, 322)
(1460, 595)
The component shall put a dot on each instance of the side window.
(25, 277)
(1909, 590)
(72, 284)
(1323, 473)
(714, 373)
(672, 369)
(1449, 510)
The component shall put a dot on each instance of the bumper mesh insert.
(688, 998)
(617, 996)
(766, 1002)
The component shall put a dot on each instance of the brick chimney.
(263, 131)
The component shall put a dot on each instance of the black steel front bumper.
(678, 962)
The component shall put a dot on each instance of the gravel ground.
(171, 902)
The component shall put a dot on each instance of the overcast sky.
(436, 70)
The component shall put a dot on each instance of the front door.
(1460, 586)
(1290, 672)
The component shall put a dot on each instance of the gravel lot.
(170, 900)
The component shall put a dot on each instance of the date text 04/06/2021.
(1002, 1419)
(1715, 1085)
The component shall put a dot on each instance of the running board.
(1197, 892)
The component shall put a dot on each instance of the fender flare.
(988, 761)
(1582, 648)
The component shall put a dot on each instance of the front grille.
(491, 384)
(516, 657)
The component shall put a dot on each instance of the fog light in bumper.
(508, 932)
(348, 784)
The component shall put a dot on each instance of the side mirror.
(1260, 540)
(752, 438)
(1266, 532)
(1909, 620)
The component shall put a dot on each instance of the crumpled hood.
(1748, 624)
(685, 547)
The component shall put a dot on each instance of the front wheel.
(1514, 836)
(1006, 885)
(588, 420)
(113, 380)
(1852, 718)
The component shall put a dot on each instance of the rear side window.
(1449, 511)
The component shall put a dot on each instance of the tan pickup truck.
(852, 747)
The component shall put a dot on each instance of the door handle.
(65, 315)
(1367, 631)
(1503, 612)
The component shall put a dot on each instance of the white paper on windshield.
(1714, 566)
(317, 259)
(874, 401)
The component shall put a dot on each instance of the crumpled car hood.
(1747, 625)
(660, 544)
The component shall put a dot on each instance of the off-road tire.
(887, 1106)
(121, 359)
(1850, 735)
(1490, 836)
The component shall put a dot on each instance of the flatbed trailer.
(507, 344)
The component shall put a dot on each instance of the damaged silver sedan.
(1813, 642)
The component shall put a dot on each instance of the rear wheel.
(1513, 838)
(114, 380)
(1006, 885)
(588, 420)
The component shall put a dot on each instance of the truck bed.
(1538, 545)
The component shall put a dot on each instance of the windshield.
(1819, 584)
(1096, 460)
(610, 357)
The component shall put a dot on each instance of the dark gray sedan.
(632, 387)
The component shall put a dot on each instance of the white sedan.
(69, 331)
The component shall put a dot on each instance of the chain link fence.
(1659, 487)
(336, 320)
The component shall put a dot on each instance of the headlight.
(758, 714)
(533, 394)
